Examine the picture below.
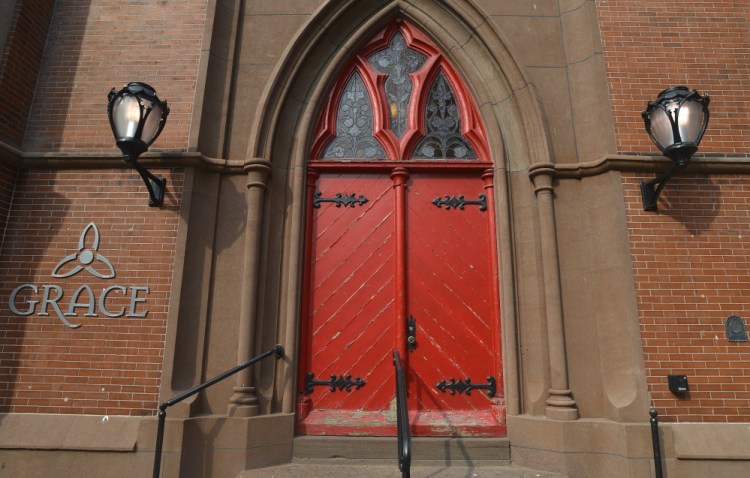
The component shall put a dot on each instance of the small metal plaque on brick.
(736, 329)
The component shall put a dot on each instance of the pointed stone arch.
(505, 97)
(280, 142)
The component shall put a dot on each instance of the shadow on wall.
(58, 90)
(207, 332)
(216, 221)
(693, 201)
(6, 15)
(24, 29)
(27, 257)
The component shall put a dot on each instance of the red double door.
(401, 260)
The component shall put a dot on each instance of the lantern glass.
(126, 115)
(153, 117)
(690, 122)
(661, 128)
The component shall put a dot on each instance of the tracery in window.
(354, 137)
(399, 99)
(443, 138)
(397, 61)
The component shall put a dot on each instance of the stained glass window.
(397, 61)
(443, 138)
(399, 99)
(354, 137)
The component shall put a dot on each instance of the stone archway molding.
(284, 124)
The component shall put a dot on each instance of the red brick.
(108, 365)
(689, 244)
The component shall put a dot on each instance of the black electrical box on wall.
(678, 384)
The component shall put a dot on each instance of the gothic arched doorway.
(400, 231)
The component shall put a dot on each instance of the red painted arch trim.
(326, 130)
(471, 126)
(397, 149)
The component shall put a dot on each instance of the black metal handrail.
(402, 419)
(655, 443)
(277, 350)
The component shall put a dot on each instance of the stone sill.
(720, 441)
(68, 432)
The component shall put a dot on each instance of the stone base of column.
(561, 406)
(244, 403)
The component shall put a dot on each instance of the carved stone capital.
(258, 170)
(542, 175)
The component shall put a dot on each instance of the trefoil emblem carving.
(87, 258)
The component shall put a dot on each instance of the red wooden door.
(400, 225)
(361, 295)
(451, 296)
(350, 318)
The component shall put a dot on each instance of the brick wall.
(691, 259)
(108, 365)
(656, 44)
(20, 62)
(99, 44)
(692, 271)
(111, 364)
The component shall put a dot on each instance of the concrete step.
(377, 457)
(337, 468)
(437, 451)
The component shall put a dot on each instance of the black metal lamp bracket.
(650, 190)
(154, 184)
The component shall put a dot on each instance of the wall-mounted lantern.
(675, 122)
(137, 116)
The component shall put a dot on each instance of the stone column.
(560, 404)
(244, 402)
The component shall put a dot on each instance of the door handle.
(411, 334)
